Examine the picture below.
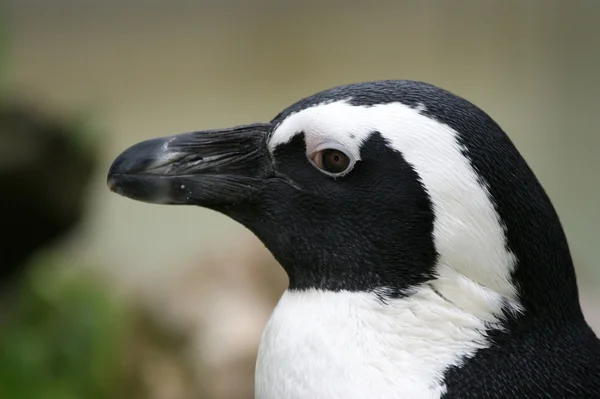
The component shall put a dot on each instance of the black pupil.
(335, 161)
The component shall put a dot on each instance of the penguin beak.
(209, 168)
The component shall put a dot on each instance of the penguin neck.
(544, 273)
(368, 344)
(472, 297)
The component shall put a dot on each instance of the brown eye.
(332, 161)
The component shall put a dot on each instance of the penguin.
(424, 257)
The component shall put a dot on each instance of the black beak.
(210, 168)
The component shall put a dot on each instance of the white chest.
(326, 345)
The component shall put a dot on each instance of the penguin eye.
(332, 161)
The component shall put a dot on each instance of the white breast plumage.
(334, 345)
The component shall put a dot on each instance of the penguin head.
(378, 186)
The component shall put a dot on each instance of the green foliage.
(63, 340)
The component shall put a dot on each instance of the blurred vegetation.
(61, 339)
(63, 334)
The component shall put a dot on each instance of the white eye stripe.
(327, 122)
(331, 145)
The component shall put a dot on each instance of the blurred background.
(104, 297)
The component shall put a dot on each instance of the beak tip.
(117, 169)
(134, 160)
(111, 182)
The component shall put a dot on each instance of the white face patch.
(468, 233)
